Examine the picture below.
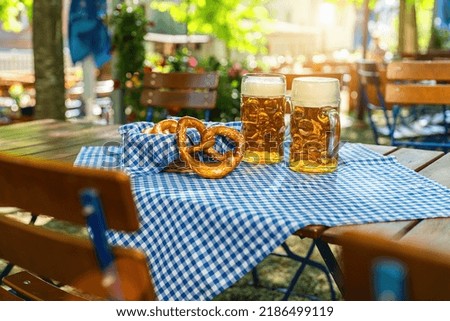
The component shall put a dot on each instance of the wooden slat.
(435, 231)
(417, 94)
(8, 296)
(381, 149)
(201, 100)
(416, 159)
(181, 80)
(53, 139)
(34, 288)
(439, 170)
(413, 70)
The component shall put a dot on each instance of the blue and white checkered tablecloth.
(203, 235)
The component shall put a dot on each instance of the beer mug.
(262, 114)
(315, 125)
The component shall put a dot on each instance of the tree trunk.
(48, 59)
(407, 33)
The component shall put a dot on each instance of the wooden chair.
(81, 196)
(372, 82)
(180, 90)
(421, 83)
(379, 269)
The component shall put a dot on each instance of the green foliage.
(440, 39)
(129, 28)
(240, 24)
(11, 11)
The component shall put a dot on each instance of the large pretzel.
(224, 163)
(166, 126)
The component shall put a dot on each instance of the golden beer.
(315, 126)
(262, 115)
(314, 142)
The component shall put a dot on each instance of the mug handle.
(333, 145)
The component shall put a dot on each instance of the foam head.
(263, 85)
(316, 91)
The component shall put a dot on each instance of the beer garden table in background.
(62, 141)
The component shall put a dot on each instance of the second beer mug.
(315, 126)
(262, 114)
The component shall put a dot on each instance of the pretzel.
(224, 163)
(166, 126)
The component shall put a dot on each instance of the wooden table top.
(61, 141)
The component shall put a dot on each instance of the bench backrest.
(418, 82)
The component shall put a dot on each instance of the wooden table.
(50, 139)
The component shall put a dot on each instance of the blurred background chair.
(407, 127)
(175, 91)
(379, 269)
(422, 89)
(372, 82)
(89, 266)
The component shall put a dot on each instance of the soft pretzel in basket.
(222, 164)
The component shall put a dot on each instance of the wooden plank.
(69, 154)
(439, 171)
(60, 139)
(413, 94)
(41, 131)
(416, 159)
(419, 70)
(381, 149)
(434, 232)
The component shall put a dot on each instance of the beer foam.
(315, 91)
(261, 86)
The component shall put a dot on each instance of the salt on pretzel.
(166, 126)
(224, 164)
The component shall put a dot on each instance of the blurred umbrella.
(88, 33)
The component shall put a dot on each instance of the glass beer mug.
(315, 125)
(262, 114)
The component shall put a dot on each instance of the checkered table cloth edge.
(201, 236)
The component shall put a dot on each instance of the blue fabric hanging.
(87, 32)
(443, 14)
